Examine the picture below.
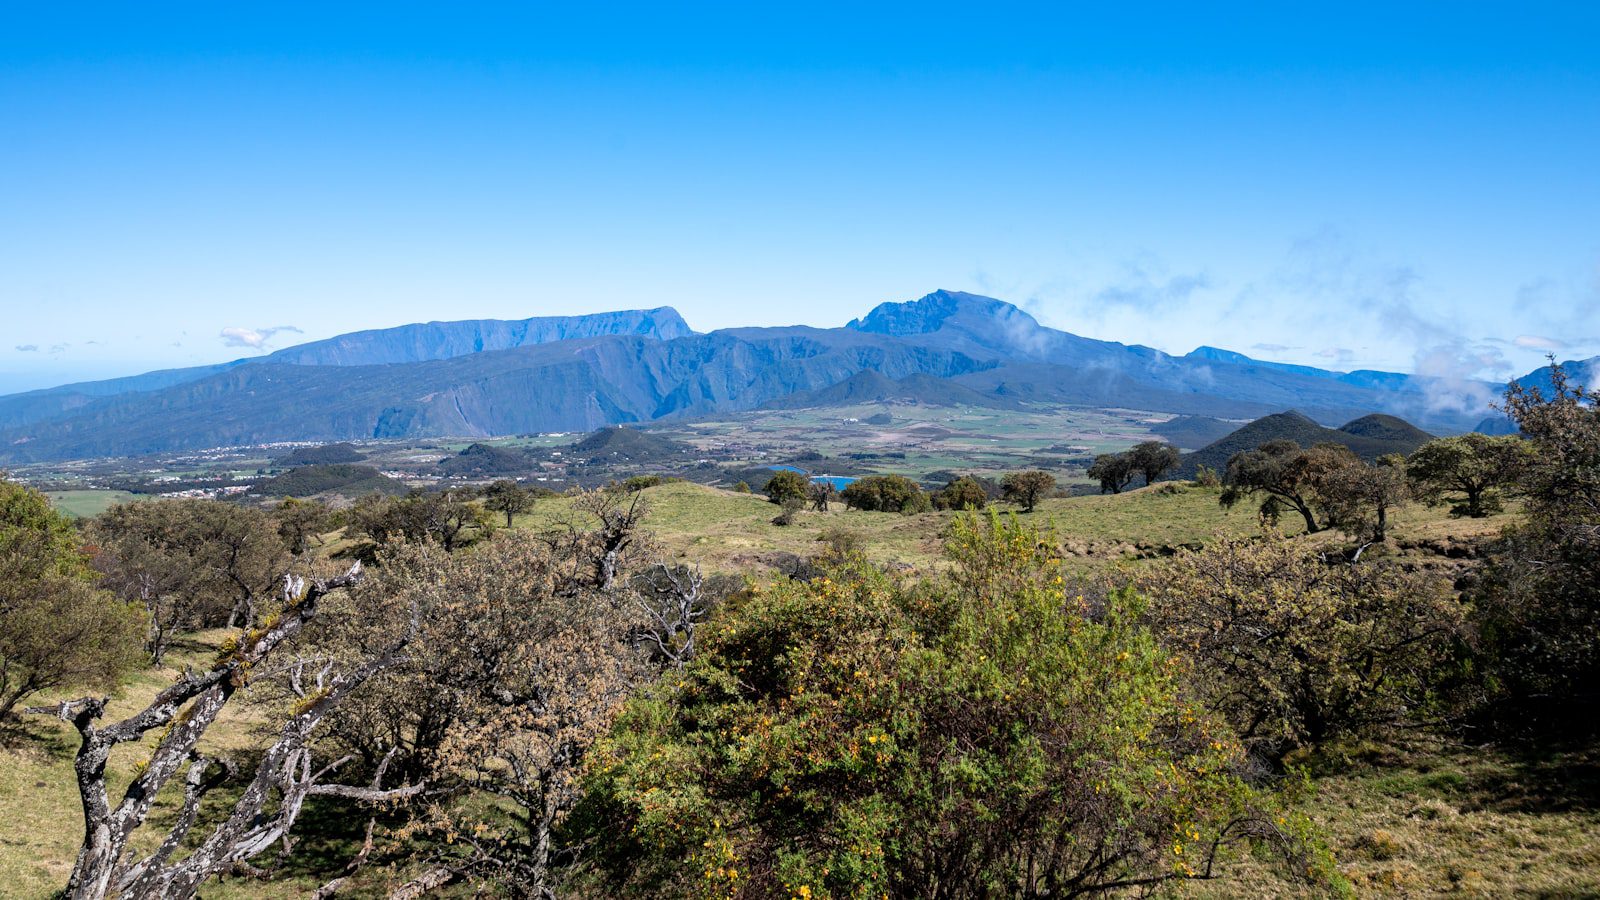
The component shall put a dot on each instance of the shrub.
(742, 487)
(1294, 651)
(961, 494)
(791, 508)
(785, 484)
(1207, 477)
(863, 736)
(884, 493)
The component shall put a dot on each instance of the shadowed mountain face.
(486, 378)
(1370, 437)
(405, 344)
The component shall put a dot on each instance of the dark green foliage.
(56, 629)
(1153, 459)
(631, 445)
(961, 494)
(973, 736)
(485, 460)
(508, 498)
(1538, 601)
(320, 455)
(1473, 466)
(348, 480)
(1027, 488)
(301, 523)
(1114, 471)
(884, 493)
(787, 485)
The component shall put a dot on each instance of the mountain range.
(490, 377)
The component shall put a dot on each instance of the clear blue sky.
(1392, 186)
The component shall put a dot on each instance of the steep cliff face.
(383, 346)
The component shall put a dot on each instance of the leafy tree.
(526, 670)
(742, 487)
(449, 518)
(1114, 471)
(190, 563)
(1357, 498)
(862, 736)
(300, 522)
(507, 497)
(786, 484)
(961, 494)
(1027, 488)
(1473, 465)
(1154, 459)
(885, 493)
(1287, 476)
(1294, 651)
(56, 630)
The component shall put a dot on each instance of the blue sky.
(1352, 186)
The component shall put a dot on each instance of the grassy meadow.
(1428, 818)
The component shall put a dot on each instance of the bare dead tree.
(671, 600)
(600, 537)
(185, 711)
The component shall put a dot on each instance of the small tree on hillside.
(787, 485)
(1114, 471)
(1287, 475)
(1473, 465)
(508, 497)
(1154, 459)
(961, 493)
(301, 522)
(55, 628)
(1357, 498)
(1027, 488)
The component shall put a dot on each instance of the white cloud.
(1538, 342)
(254, 338)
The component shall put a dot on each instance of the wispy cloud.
(254, 338)
(1538, 342)
(1151, 291)
(1272, 348)
(27, 348)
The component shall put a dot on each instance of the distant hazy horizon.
(1369, 187)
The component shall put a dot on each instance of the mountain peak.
(930, 313)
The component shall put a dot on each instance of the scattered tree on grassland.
(189, 563)
(56, 629)
(449, 517)
(742, 487)
(1357, 498)
(885, 493)
(1114, 471)
(1295, 651)
(509, 498)
(1287, 476)
(785, 484)
(1026, 489)
(973, 736)
(1154, 459)
(1476, 466)
(964, 493)
(301, 523)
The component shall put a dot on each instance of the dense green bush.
(885, 493)
(975, 736)
(786, 485)
(1295, 651)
